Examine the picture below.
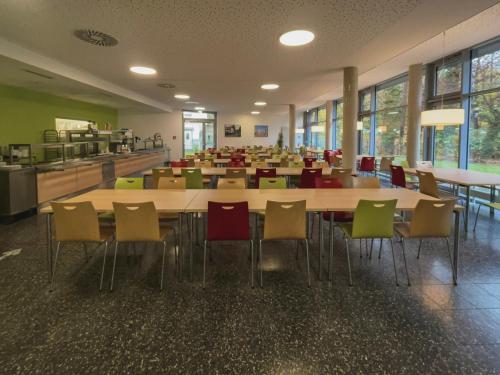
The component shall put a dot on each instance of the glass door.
(200, 131)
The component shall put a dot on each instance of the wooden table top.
(459, 176)
(216, 171)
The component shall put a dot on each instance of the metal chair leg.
(114, 266)
(477, 215)
(86, 251)
(348, 260)
(360, 251)
(330, 258)
(404, 258)
(451, 261)
(251, 268)
(204, 261)
(380, 249)
(163, 264)
(371, 249)
(176, 247)
(307, 260)
(419, 247)
(394, 263)
(55, 264)
(297, 251)
(103, 263)
(260, 264)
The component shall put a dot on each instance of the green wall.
(25, 114)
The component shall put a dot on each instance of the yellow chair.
(285, 221)
(138, 222)
(203, 164)
(78, 222)
(369, 182)
(231, 183)
(161, 172)
(431, 219)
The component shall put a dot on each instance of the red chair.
(308, 161)
(219, 155)
(227, 222)
(398, 177)
(308, 177)
(237, 158)
(179, 164)
(236, 164)
(339, 151)
(332, 183)
(367, 164)
(240, 150)
(326, 154)
(263, 172)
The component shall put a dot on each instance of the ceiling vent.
(38, 74)
(166, 85)
(96, 38)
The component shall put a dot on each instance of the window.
(339, 124)
(485, 68)
(449, 78)
(365, 136)
(364, 102)
(392, 95)
(446, 142)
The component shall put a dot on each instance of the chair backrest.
(258, 164)
(326, 154)
(374, 219)
(228, 221)
(320, 164)
(296, 164)
(427, 184)
(76, 221)
(432, 218)
(136, 221)
(272, 183)
(194, 178)
(370, 182)
(308, 161)
(327, 183)
(284, 162)
(345, 176)
(263, 172)
(385, 164)
(203, 164)
(231, 183)
(308, 176)
(236, 164)
(172, 183)
(236, 173)
(236, 157)
(179, 164)
(161, 172)
(123, 183)
(285, 220)
(398, 177)
(189, 162)
(367, 164)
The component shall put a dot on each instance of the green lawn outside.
(472, 166)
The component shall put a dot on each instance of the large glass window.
(485, 69)
(449, 78)
(446, 142)
(364, 141)
(339, 124)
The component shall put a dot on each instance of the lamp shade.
(299, 131)
(317, 129)
(359, 125)
(442, 117)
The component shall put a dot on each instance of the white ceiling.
(220, 51)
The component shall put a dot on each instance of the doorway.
(199, 131)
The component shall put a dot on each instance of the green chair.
(272, 183)
(372, 220)
(194, 178)
(495, 206)
(125, 183)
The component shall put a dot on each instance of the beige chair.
(231, 183)
(78, 222)
(431, 219)
(236, 173)
(385, 165)
(320, 164)
(138, 222)
(172, 183)
(369, 182)
(161, 172)
(259, 164)
(203, 164)
(427, 184)
(285, 221)
(344, 175)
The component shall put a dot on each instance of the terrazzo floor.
(373, 327)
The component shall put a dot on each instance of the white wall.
(169, 125)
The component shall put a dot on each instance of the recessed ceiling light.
(142, 70)
(255, 113)
(181, 96)
(191, 102)
(199, 108)
(296, 38)
(269, 86)
(260, 104)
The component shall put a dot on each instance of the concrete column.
(328, 129)
(291, 126)
(349, 136)
(414, 109)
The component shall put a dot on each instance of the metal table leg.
(456, 249)
(181, 248)
(49, 245)
(191, 216)
(320, 244)
(467, 203)
(330, 258)
(492, 200)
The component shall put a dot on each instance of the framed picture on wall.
(261, 131)
(232, 130)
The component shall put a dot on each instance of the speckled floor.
(285, 328)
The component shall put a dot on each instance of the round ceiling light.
(255, 113)
(199, 108)
(296, 38)
(269, 86)
(260, 104)
(96, 38)
(181, 96)
(144, 70)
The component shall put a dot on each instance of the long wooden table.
(462, 178)
(217, 171)
(196, 201)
